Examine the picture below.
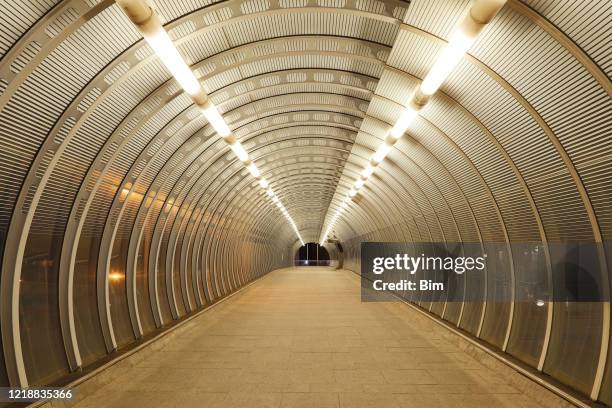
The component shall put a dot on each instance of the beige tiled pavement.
(301, 337)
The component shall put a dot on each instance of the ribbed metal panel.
(436, 184)
(435, 16)
(45, 93)
(396, 86)
(171, 10)
(487, 160)
(89, 139)
(128, 155)
(551, 87)
(344, 63)
(518, 133)
(583, 24)
(169, 156)
(16, 17)
(596, 176)
(461, 174)
(311, 23)
(413, 53)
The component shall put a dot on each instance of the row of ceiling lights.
(149, 25)
(479, 14)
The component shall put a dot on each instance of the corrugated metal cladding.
(107, 168)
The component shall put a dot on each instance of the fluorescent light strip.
(478, 16)
(161, 43)
(450, 57)
(239, 151)
(216, 120)
(156, 36)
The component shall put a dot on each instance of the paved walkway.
(301, 337)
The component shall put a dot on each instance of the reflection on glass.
(499, 294)
(162, 289)
(87, 320)
(117, 291)
(529, 320)
(142, 285)
(575, 341)
(41, 338)
(606, 389)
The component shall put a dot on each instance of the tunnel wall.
(195, 269)
(121, 210)
(517, 328)
(335, 255)
(513, 150)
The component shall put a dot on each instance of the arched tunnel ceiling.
(97, 140)
(496, 106)
(261, 59)
(253, 79)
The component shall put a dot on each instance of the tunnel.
(165, 162)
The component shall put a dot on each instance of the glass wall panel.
(577, 317)
(3, 376)
(456, 288)
(162, 293)
(41, 339)
(146, 244)
(87, 319)
(422, 299)
(441, 275)
(606, 389)
(220, 270)
(499, 281)
(122, 326)
(142, 285)
(181, 303)
(574, 345)
(474, 287)
(178, 277)
(531, 308)
(185, 263)
(192, 272)
(166, 258)
(208, 265)
(203, 270)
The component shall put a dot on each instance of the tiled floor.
(302, 338)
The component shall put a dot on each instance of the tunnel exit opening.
(312, 254)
